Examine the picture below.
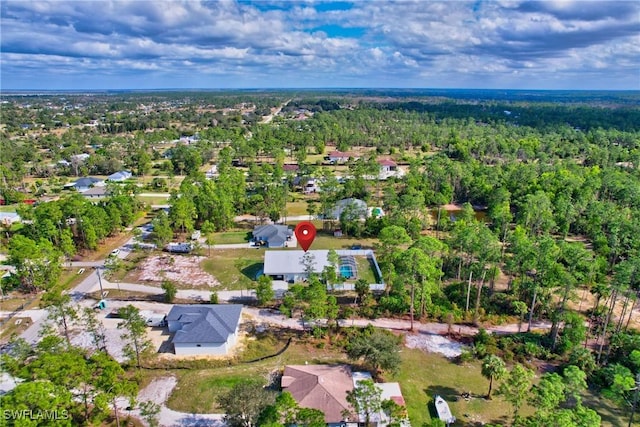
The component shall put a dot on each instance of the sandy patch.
(183, 269)
(434, 344)
(158, 390)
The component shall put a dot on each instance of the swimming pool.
(346, 271)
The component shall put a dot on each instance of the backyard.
(421, 376)
(234, 268)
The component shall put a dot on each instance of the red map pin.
(305, 233)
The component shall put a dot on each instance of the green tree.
(515, 388)
(136, 333)
(264, 290)
(38, 397)
(286, 412)
(492, 368)
(162, 232)
(170, 290)
(380, 350)
(365, 399)
(208, 230)
(95, 328)
(244, 403)
(37, 263)
(61, 311)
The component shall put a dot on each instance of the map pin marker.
(305, 233)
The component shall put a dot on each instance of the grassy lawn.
(297, 208)
(325, 241)
(197, 389)
(15, 301)
(229, 237)
(365, 269)
(15, 326)
(423, 375)
(234, 268)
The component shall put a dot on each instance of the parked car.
(115, 252)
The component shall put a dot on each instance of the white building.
(290, 265)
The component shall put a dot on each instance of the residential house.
(204, 329)
(119, 176)
(290, 265)
(312, 186)
(272, 235)
(341, 157)
(352, 207)
(212, 172)
(79, 158)
(96, 192)
(325, 388)
(321, 387)
(290, 168)
(388, 169)
(83, 184)
(9, 218)
(387, 165)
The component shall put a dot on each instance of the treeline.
(62, 228)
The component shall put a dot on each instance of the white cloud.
(408, 43)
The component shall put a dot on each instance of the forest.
(546, 225)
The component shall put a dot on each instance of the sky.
(161, 44)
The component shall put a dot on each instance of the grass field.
(15, 326)
(297, 208)
(421, 376)
(234, 268)
(228, 237)
(365, 269)
(197, 389)
(424, 375)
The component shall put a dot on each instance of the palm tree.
(493, 368)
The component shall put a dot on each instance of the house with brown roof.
(322, 387)
(388, 169)
(325, 388)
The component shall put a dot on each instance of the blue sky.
(310, 44)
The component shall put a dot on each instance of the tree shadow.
(447, 393)
(251, 271)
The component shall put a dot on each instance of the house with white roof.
(353, 207)
(341, 157)
(290, 265)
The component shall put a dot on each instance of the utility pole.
(99, 281)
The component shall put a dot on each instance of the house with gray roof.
(119, 176)
(272, 235)
(85, 183)
(204, 329)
